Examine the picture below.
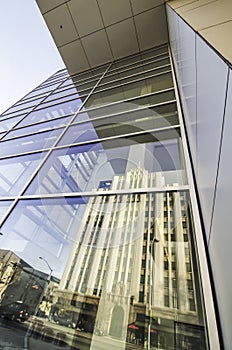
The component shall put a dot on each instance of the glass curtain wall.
(97, 238)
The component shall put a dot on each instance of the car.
(16, 310)
(64, 321)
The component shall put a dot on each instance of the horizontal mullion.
(97, 193)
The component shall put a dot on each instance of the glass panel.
(79, 85)
(138, 58)
(127, 105)
(7, 124)
(15, 172)
(90, 73)
(82, 168)
(131, 90)
(134, 75)
(16, 111)
(118, 271)
(32, 98)
(121, 124)
(39, 92)
(48, 113)
(211, 98)
(29, 143)
(4, 206)
(68, 104)
(38, 127)
(26, 104)
(137, 68)
(70, 93)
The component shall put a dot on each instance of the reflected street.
(42, 334)
(12, 334)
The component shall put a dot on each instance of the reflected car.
(15, 311)
(64, 321)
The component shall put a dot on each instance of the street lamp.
(152, 254)
(48, 280)
(50, 274)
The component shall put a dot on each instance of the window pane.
(29, 143)
(121, 124)
(82, 168)
(49, 113)
(88, 252)
(7, 124)
(15, 172)
(4, 205)
(131, 90)
(38, 127)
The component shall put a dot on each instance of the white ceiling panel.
(74, 49)
(97, 48)
(45, 5)
(61, 25)
(151, 27)
(139, 6)
(128, 43)
(116, 12)
(86, 16)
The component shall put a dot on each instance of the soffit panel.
(86, 16)
(120, 10)
(148, 24)
(45, 5)
(128, 44)
(97, 48)
(104, 30)
(139, 6)
(61, 25)
(74, 49)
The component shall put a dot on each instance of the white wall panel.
(211, 89)
(183, 47)
(221, 238)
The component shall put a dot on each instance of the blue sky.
(28, 54)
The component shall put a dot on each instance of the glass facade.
(98, 246)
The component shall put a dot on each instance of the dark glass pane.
(125, 62)
(139, 74)
(131, 90)
(136, 68)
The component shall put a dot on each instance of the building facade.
(105, 174)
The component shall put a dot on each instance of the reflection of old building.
(116, 262)
(47, 300)
(19, 281)
(8, 269)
